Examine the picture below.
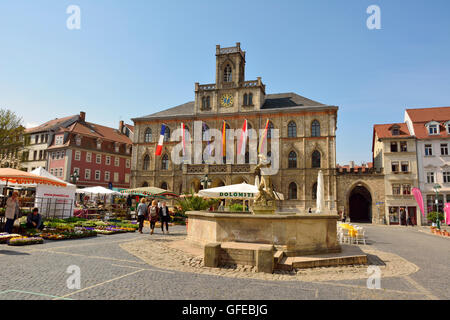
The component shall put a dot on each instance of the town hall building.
(307, 137)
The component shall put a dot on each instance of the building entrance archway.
(360, 205)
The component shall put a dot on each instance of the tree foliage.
(11, 138)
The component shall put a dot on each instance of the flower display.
(4, 237)
(23, 241)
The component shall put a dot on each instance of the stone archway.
(360, 204)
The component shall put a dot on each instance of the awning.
(21, 177)
(149, 191)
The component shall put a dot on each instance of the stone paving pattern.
(108, 271)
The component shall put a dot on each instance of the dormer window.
(116, 147)
(447, 127)
(395, 131)
(78, 140)
(228, 74)
(433, 128)
(99, 144)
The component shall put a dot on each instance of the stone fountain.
(266, 236)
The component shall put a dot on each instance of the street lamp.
(436, 188)
(75, 177)
(205, 181)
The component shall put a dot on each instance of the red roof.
(420, 117)
(386, 130)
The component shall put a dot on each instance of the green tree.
(11, 138)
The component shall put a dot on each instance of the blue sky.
(133, 58)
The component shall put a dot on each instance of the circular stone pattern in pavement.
(159, 251)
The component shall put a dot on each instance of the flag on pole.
(224, 139)
(243, 139)
(263, 137)
(161, 141)
(183, 137)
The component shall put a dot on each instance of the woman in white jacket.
(12, 211)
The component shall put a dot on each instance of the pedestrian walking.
(164, 217)
(153, 213)
(12, 211)
(142, 212)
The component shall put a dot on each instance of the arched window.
(148, 135)
(208, 105)
(315, 159)
(228, 74)
(292, 160)
(315, 129)
(167, 134)
(250, 99)
(269, 131)
(145, 184)
(146, 164)
(292, 194)
(292, 129)
(314, 191)
(245, 99)
(165, 162)
(204, 103)
(247, 157)
(164, 185)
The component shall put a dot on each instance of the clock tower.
(230, 93)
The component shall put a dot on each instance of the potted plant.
(433, 216)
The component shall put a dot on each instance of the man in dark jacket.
(34, 220)
(164, 216)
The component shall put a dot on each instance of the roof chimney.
(121, 123)
(82, 116)
(352, 164)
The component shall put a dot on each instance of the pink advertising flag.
(418, 196)
(447, 213)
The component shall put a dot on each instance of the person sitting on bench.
(34, 220)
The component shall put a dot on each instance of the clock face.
(226, 100)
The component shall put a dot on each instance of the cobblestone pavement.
(108, 271)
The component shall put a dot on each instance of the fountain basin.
(294, 234)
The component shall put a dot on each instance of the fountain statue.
(265, 201)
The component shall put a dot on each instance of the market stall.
(54, 201)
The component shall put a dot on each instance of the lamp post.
(206, 182)
(436, 189)
(74, 177)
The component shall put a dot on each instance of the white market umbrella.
(97, 190)
(241, 191)
(320, 205)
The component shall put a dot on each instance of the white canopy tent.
(59, 200)
(98, 190)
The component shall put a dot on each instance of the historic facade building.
(89, 154)
(431, 129)
(394, 151)
(307, 137)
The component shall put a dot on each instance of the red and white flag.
(243, 139)
(161, 141)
